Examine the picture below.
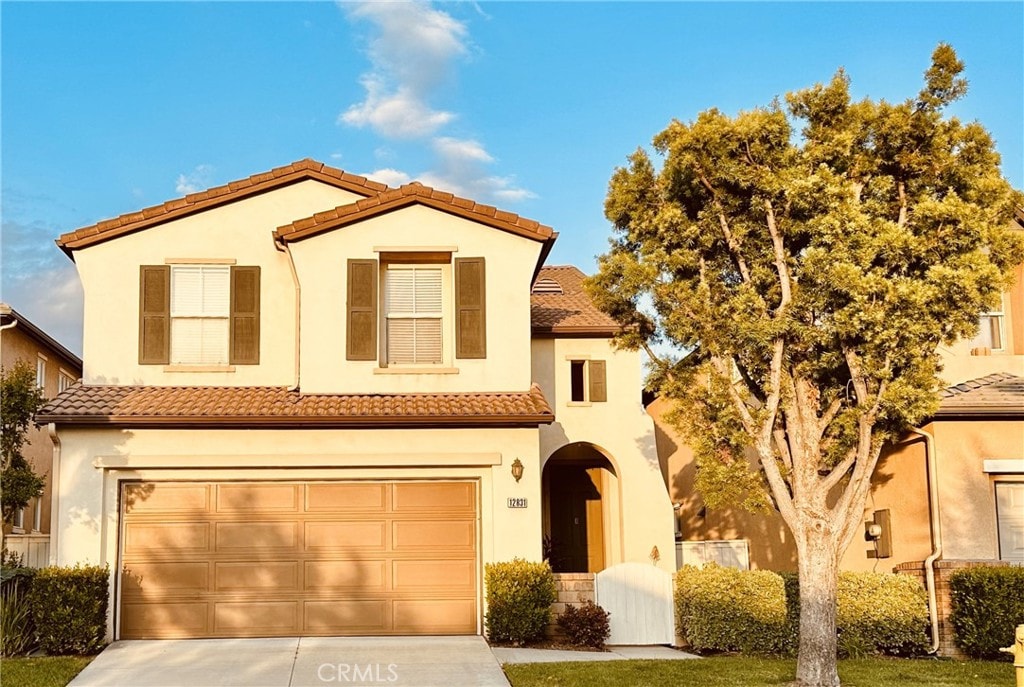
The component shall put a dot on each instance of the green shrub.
(881, 613)
(586, 625)
(17, 631)
(988, 603)
(724, 609)
(69, 606)
(519, 598)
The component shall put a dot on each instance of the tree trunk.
(818, 566)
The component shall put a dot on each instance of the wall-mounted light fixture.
(517, 469)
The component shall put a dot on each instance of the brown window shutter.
(154, 314)
(470, 308)
(598, 381)
(245, 316)
(361, 319)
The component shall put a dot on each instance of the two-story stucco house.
(315, 405)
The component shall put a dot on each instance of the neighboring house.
(314, 405)
(56, 368)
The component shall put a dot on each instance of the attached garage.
(263, 559)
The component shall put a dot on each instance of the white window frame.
(19, 520)
(41, 371)
(993, 321)
(443, 314)
(1001, 517)
(203, 314)
(64, 380)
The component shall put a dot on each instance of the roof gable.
(567, 311)
(215, 197)
(406, 196)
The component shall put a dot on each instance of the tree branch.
(734, 247)
(902, 220)
(785, 282)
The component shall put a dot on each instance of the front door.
(577, 523)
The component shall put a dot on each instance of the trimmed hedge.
(69, 606)
(586, 625)
(988, 604)
(519, 598)
(723, 609)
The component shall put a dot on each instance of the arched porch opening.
(579, 501)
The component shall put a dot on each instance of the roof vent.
(547, 286)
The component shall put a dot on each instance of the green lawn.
(718, 671)
(47, 671)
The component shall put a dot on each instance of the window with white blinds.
(413, 322)
(200, 308)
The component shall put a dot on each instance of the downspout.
(298, 309)
(54, 491)
(936, 530)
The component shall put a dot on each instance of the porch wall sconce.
(517, 469)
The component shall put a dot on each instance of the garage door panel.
(257, 535)
(144, 538)
(346, 497)
(368, 575)
(251, 617)
(441, 616)
(178, 577)
(233, 559)
(263, 498)
(166, 498)
(456, 535)
(439, 496)
(413, 575)
(346, 535)
(171, 619)
(369, 616)
(281, 577)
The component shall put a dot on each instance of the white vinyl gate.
(638, 597)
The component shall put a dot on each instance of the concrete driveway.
(295, 662)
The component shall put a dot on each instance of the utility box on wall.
(879, 531)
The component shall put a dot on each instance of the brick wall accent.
(573, 588)
(943, 571)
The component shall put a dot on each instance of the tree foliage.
(20, 398)
(812, 254)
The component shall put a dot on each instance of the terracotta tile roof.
(218, 195)
(409, 194)
(1001, 393)
(570, 313)
(194, 406)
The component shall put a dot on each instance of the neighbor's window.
(413, 314)
(200, 310)
(990, 332)
(578, 377)
(19, 519)
(1010, 520)
(64, 380)
(41, 372)
(37, 516)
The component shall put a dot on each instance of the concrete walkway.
(295, 662)
(613, 653)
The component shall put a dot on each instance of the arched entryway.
(579, 486)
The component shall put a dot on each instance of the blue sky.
(111, 107)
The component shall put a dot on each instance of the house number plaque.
(516, 502)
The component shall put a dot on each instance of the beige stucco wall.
(641, 512)
(239, 231)
(94, 462)
(320, 263)
(966, 497)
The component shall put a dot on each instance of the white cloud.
(40, 282)
(198, 179)
(461, 150)
(391, 177)
(411, 54)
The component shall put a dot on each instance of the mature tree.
(20, 398)
(812, 256)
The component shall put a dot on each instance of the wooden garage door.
(284, 559)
